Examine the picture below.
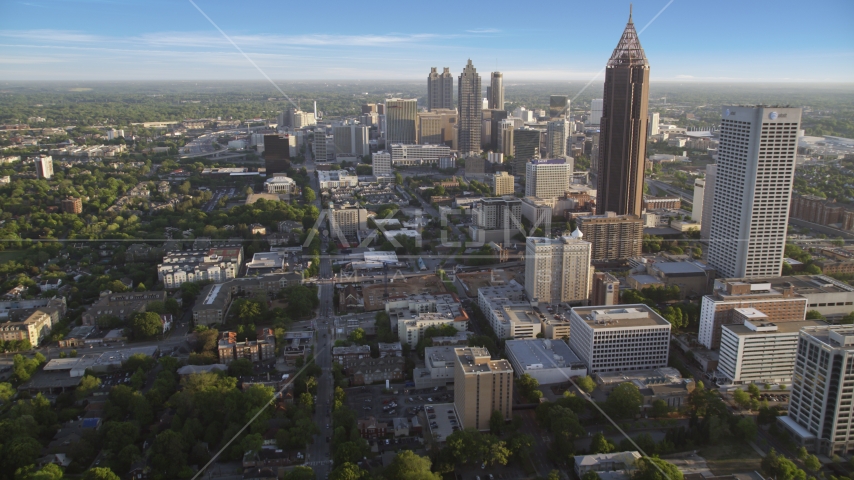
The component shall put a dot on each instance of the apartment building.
(481, 386)
(214, 299)
(622, 337)
(415, 313)
(33, 328)
(780, 304)
(348, 356)
(501, 183)
(347, 220)
(263, 348)
(821, 414)
(613, 237)
(558, 270)
(755, 350)
(121, 305)
(72, 205)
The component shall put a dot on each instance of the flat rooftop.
(478, 360)
(680, 269)
(644, 279)
(548, 353)
(782, 327)
(620, 316)
(804, 284)
(519, 314)
(439, 357)
(446, 419)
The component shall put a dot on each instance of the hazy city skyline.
(136, 41)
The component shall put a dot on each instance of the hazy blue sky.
(721, 40)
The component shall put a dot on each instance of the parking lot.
(442, 420)
(370, 400)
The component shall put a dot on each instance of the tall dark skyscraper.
(496, 91)
(558, 106)
(471, 111)
(622, 138)
(440, 89)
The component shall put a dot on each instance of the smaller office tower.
(619, 338)
(699, 194)
(605, 289)
(526, 146)
(558, 107)
(277, 153)
(708, 200)
(820, 408)
(381, 163)
(654, 122)
(400, 120)
(595, 117)
(558, 134)
(548, 178)
(319, 145)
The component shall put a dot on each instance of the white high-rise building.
(44, 166)
(753, 189)
(595, 112)
(820, 407)
(699, 193)
(654, 122)
(708, 201)
(548, 178)
(381, 163)
(113, 134)
(558, 134)
(558, 270)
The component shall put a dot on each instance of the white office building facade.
(753, 189)
(619, 338)
(821, 413)
(759, 351)
(548, 178)
(381, 164)
(404, 154)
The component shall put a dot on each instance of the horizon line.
(409, 80)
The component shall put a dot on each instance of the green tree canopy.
(624, 401)
(650, 468)
(409, 466)
(146, 324)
